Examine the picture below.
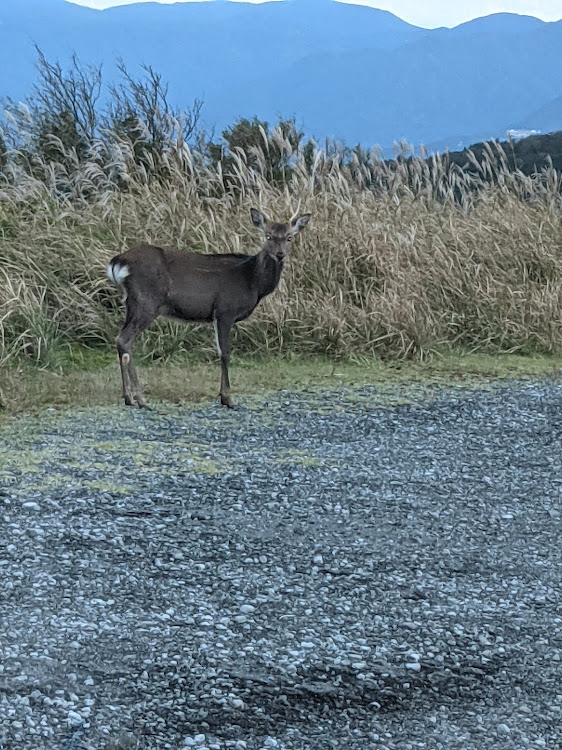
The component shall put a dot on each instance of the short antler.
(295, 216)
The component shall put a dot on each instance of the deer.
(220, 288)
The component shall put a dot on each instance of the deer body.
(196, 288)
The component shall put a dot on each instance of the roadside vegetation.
(85, 379)
(403, 260)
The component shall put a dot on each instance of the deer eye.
(268, 237)
(288, 238)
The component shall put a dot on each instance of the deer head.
(278, 236)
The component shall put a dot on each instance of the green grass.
(90, 378)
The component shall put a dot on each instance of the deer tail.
(117, 271)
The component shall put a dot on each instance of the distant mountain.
(422, 91)
(345, 71)
(547, 118)
(498, 23)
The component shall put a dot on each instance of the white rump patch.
(215, 326)
(117, 273)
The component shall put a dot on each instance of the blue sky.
(428, 13)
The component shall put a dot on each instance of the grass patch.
(294, 457)
(29, 389)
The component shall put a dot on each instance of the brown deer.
(221, 289)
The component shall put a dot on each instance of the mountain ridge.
(352, 72)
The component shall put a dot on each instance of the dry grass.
(397, 262)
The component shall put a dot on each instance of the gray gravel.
(310, 571)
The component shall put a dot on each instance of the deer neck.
(268, 273)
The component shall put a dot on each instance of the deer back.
(187, 286)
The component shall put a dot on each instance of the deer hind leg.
(127, 388)
(133, 326)
(222, 338)
(135, 385)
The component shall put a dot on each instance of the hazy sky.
(428, 13)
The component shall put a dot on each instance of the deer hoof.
(227, 401)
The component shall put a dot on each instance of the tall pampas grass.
(401, 259)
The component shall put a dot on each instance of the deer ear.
(257, 218)
(298, 224)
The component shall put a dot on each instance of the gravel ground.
(317, 570)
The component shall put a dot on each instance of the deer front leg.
(222, 337)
